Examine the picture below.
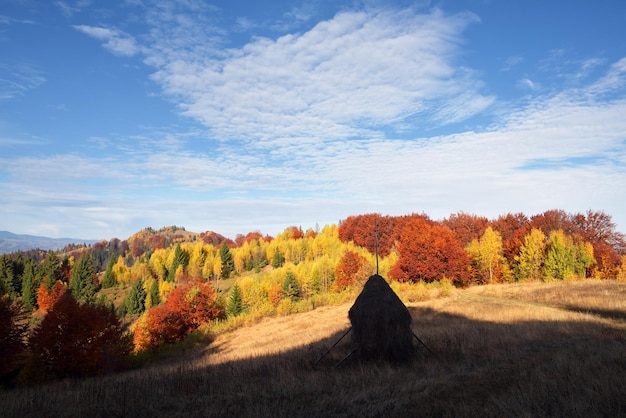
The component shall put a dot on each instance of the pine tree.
(13, 329)
(29, 284)
(82, 280)
(51, 270)
(228, 265)
(135, 301)
(278, 260)
(155, 298)
(290, 287)
(6, 276)
(235, 304)
(109, 277)
(180, 259)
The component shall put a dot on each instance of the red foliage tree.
(466, 227)
(348, 268)
(360, 230)
(137, 247)
(429, 251)
(242, 239)
(513, 228)
(294, 232)
(553, 220)
(76, 340)
(608, 244)
(157, 242)
(46, 299)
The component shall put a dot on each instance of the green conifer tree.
(180, 259)
(6, 276)
(29, 284)
(109, 279)
(290, 287)
(51, 270)
(135, 301)
(228, 265)
(155, 298)
(235, 304)
(278, 260)
(82, 280)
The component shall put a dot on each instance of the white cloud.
(561, 151)
(319, 125)
(115, 40)
(346, 77)
(529, 84)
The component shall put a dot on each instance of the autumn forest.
(93, 310)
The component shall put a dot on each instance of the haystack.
(381, 324)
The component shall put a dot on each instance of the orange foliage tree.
(429, 252)
(75, 340)
(187, 307)
(46, 299)
(351, 268)
(275, 294)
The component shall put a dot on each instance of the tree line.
(170, 279)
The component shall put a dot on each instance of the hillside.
(530, 349)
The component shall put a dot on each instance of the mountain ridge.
(11, 242)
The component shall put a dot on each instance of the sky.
(238, 116)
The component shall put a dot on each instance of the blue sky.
(241, 115)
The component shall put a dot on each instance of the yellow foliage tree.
(165, 288)
(121, 272)
(158, 263)
(197, 258)
(487, 253)
(531, 256)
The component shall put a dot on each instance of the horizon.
(252, 116)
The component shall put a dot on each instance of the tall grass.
(511, 350)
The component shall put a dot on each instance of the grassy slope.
(509, 350)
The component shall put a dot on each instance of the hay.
(381, 324)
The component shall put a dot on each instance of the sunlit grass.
(508, 350)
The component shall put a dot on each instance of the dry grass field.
(533, 349)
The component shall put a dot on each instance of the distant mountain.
(10, 242)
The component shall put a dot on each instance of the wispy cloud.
(536, 158)
(17, 80)
(529, 84)
(512, 62)
(70, 8)
(346, 77)
(333, 121)
(116, 41)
